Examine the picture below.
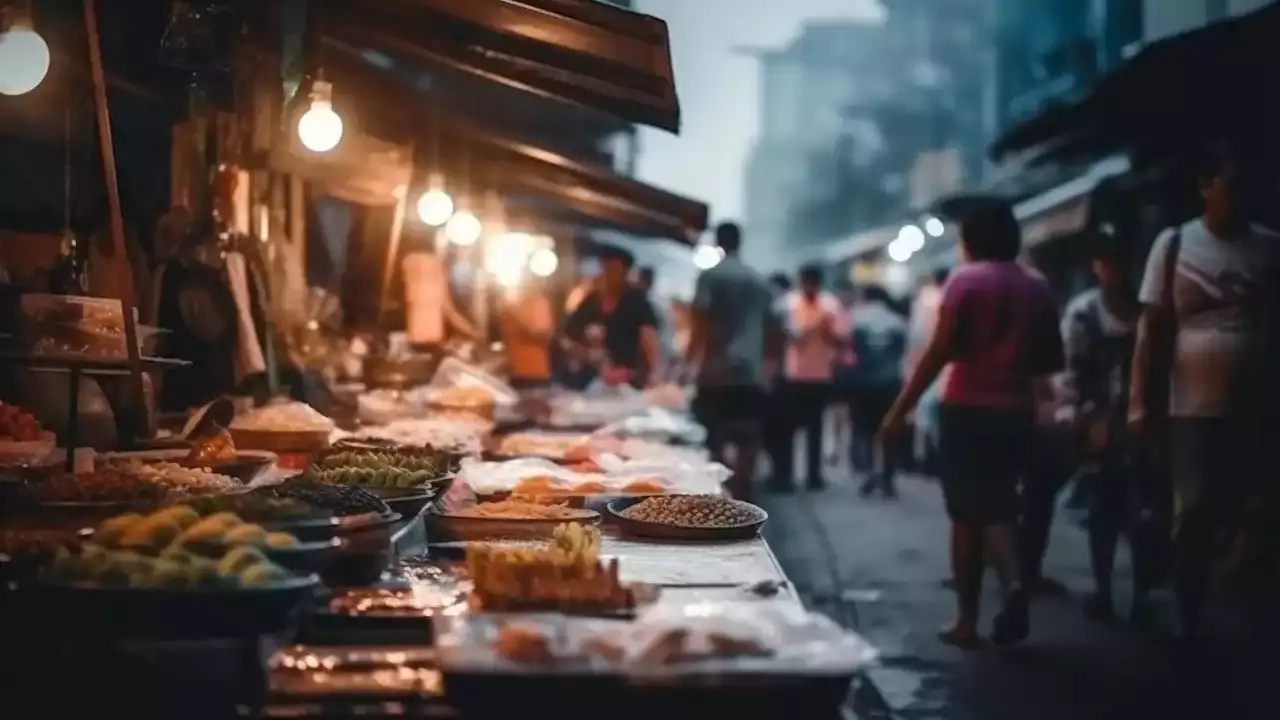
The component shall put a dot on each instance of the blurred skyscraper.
(862, 124)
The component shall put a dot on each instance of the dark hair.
(610, 252)
(811, 273)
(991, 232)
(875, 293)
(780, 281)
(729, 236)
(1107, 247)
(645, 275)
(1214, 159)
(940, 276)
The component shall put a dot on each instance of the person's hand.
(1138, 426)
(615, 375)
(891, 430)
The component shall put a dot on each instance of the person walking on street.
(997, 330)
(1190, 385)
(778, 432)
(878, 337)
(732, 310)
(814, 337)
(1098, 333)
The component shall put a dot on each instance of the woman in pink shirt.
(997, 332)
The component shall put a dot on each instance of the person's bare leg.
(998, 543)
(1012, 624)
(966, 570)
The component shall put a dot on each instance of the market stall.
(432, 560)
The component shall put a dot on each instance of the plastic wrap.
(668, 640)
(454, 373)
(285, 417)
(619, 477)
(657, 423)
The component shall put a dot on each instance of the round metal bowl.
(687, 533)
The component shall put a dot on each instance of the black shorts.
(730, 409)
(982, 454)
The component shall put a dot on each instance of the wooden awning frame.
(577, 51)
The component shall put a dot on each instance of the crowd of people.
(1146, 395)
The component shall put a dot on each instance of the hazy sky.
(718, 89)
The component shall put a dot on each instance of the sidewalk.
(887, 559)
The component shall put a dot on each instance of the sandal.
(1012, 624)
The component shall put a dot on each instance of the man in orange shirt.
(526, 325)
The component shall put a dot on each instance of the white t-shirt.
(1214, 281)
(810, 358)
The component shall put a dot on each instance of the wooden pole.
(393, 252)
(124, 272)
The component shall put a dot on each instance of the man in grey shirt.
(732, 308)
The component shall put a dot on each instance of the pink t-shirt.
(1005, 336)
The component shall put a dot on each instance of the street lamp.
(320, 128)
(24, 56)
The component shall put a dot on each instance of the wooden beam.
(120, 258)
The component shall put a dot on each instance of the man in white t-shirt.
(814, 338)
(1218, 265)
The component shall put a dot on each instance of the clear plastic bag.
(668, 640)
(454, 373)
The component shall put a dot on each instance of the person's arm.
(938, 351)
(455, 319)
(832, 327)
(795, 328)
(1151, 295)
(698, 312)
(650, 343)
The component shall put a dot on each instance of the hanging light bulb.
(320, 128)
(24, 56)
(435, 207)
(463, 228)
(543, 262)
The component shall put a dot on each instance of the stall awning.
(463, 148)
(1189, 85)
(578, 51)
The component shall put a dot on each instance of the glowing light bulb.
(912, 237)
(320, 128)
(24, 59)
(900, 250)
(543, 262)
(435, 207)
(706, 257)
(934, 227)
(463, 228)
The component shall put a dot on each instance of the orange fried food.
(643, 486)
(533, 485)
(588, 487)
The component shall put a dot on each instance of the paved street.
(887, 560)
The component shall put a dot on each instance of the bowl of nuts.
(687, 517)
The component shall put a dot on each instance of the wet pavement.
(878, 566)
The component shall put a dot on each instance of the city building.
(915, 121)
